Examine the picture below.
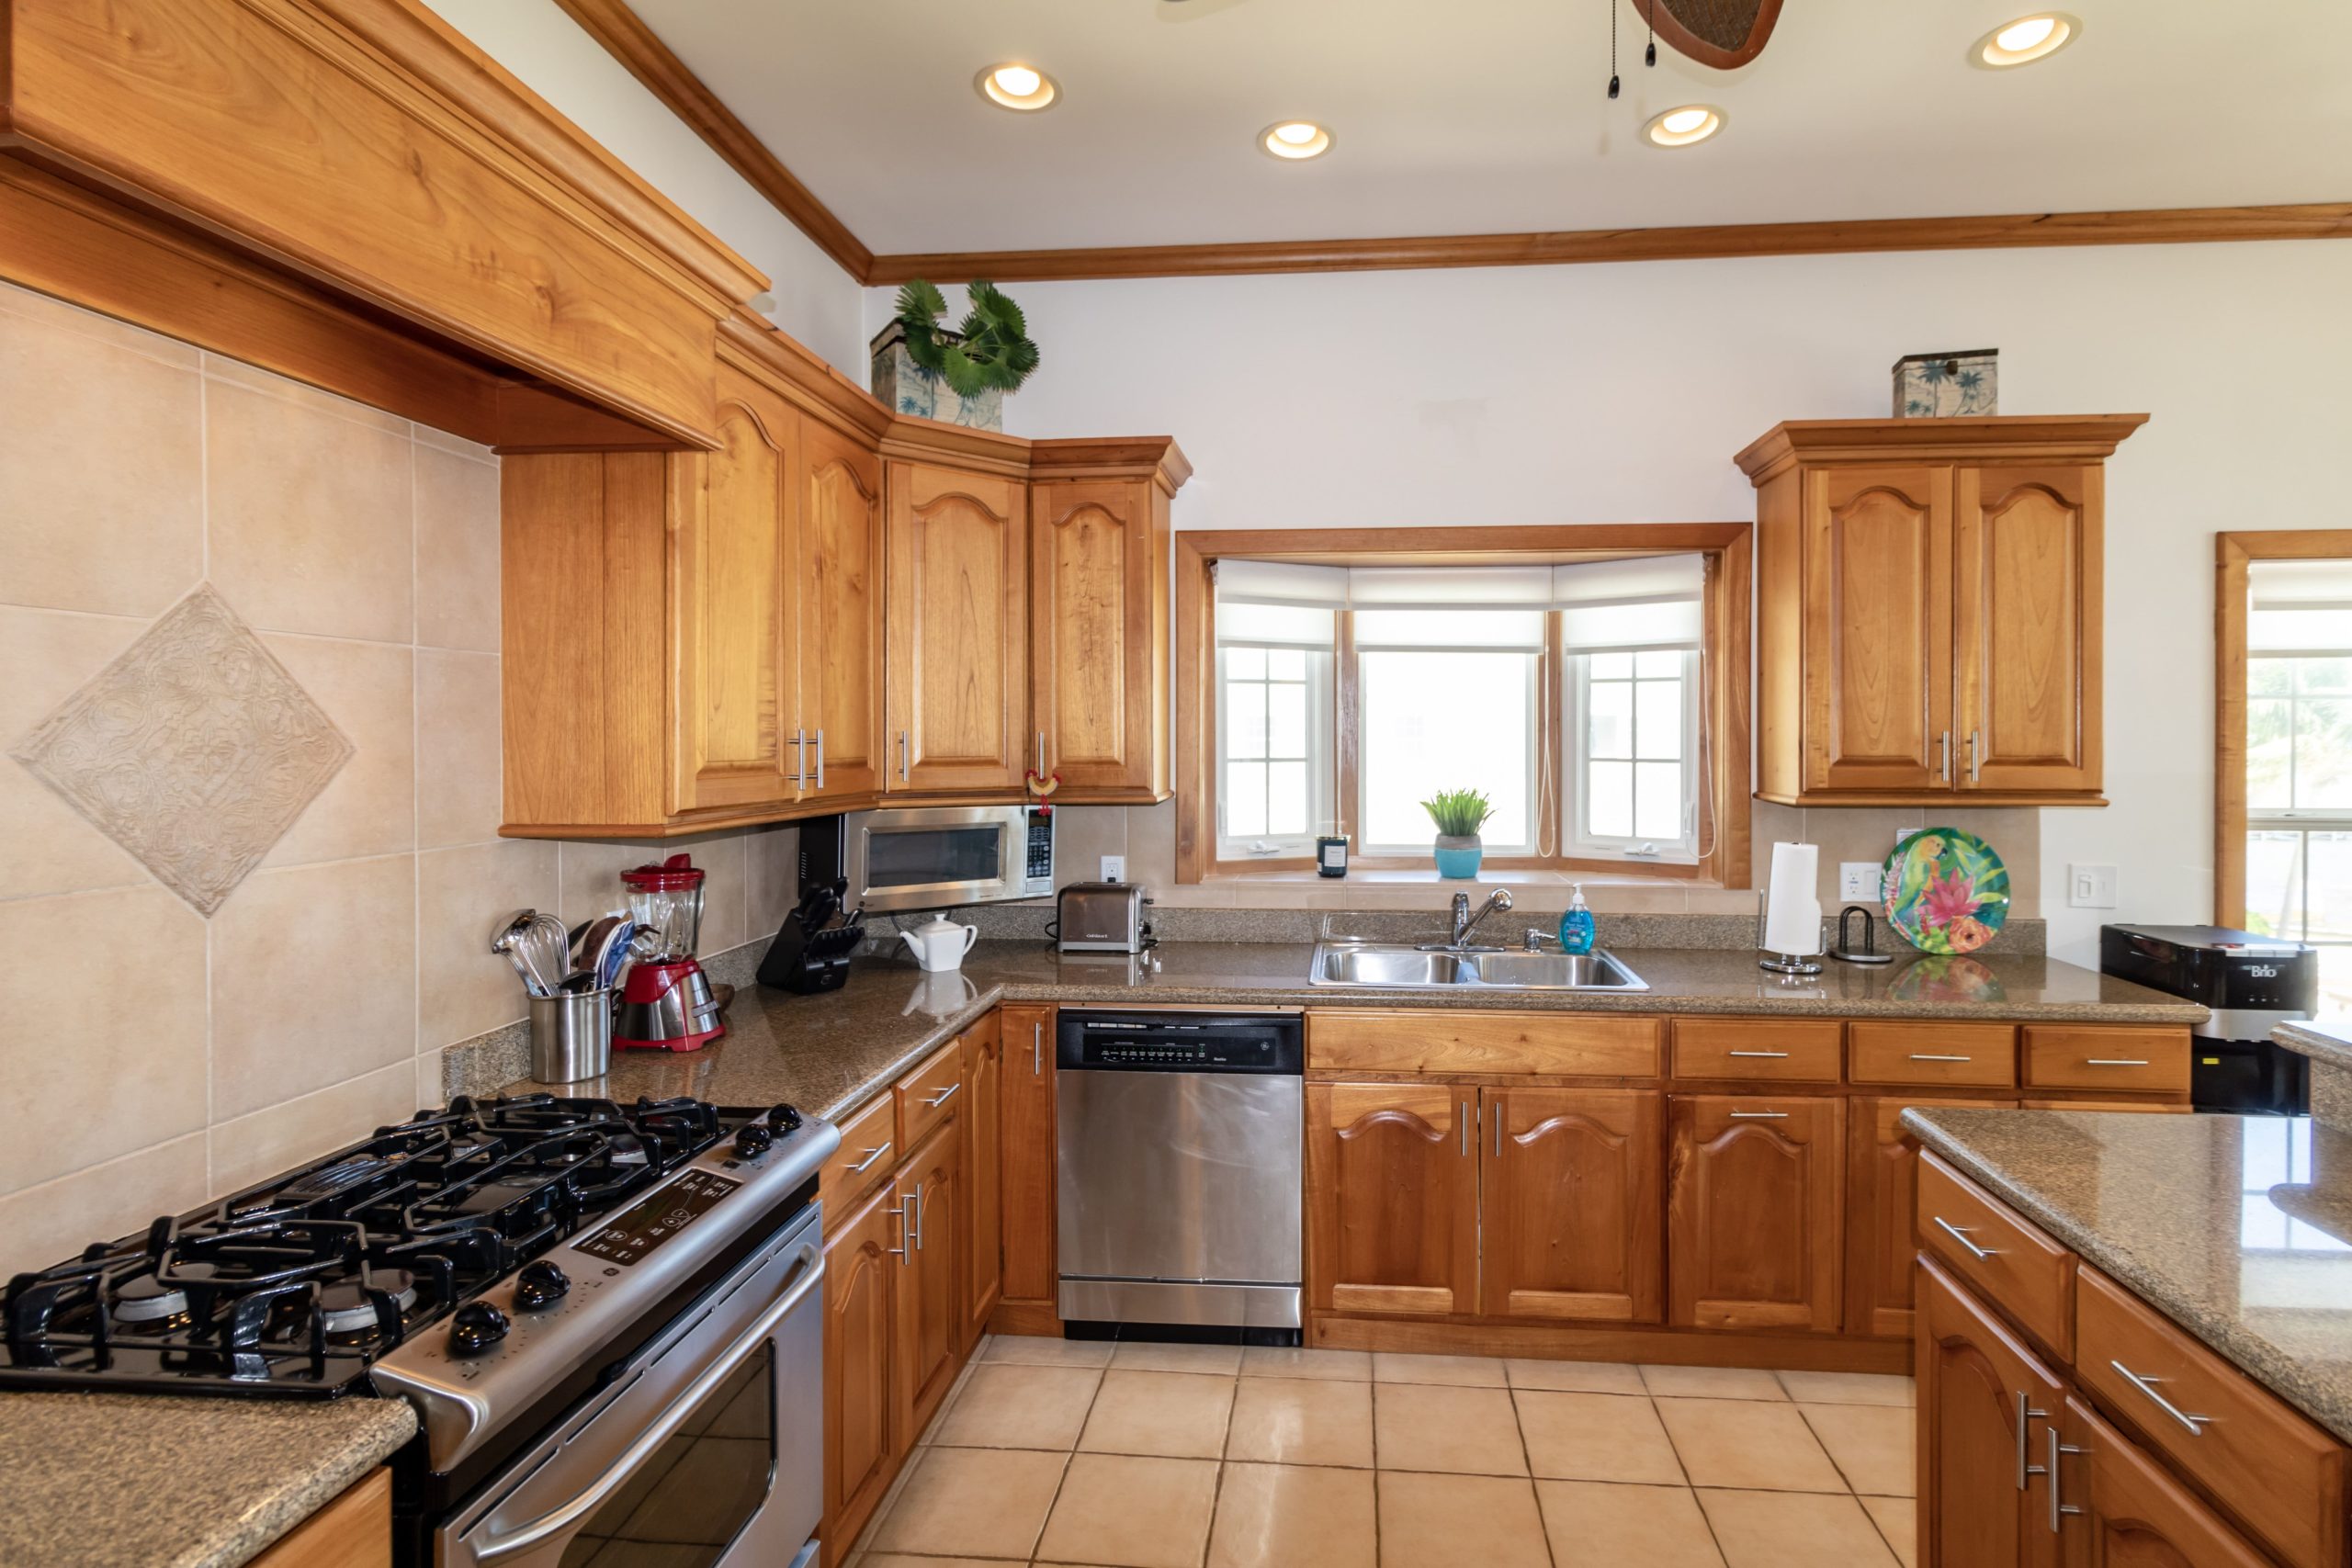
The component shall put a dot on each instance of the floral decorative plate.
(1946, 891)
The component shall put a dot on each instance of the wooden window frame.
(2233, 554)
(1727, 691)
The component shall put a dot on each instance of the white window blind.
(1649, 602)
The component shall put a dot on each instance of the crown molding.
(627, 39)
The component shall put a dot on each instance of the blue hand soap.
(1577, 928)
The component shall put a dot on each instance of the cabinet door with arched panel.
(1877, 628)
(958, 612)
(839, 558)
(1753, 1211)
(1392, 1198)
(2027, 594)
(1098, 652)
(1572, 1217)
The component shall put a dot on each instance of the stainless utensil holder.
(572, 1036)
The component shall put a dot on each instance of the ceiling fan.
(1724, 34)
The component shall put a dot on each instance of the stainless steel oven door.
(707, 1454)
(936, 857)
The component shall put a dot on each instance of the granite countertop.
(828, 1053)
(2327, 1040)
(158, 1481)
(2238, 1228)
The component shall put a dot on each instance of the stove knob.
(541, 1285)
(753, 1140)
(477, 1327)
(785, 1118)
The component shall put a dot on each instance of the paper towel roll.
(1792, 905)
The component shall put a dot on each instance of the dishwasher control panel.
(1179, 1041)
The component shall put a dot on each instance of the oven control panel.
(631, 1236)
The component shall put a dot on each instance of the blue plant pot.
(1457, 858)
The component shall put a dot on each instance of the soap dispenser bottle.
(1577, 928)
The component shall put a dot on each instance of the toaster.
(1102, 917)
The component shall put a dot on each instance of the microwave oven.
(932, 857)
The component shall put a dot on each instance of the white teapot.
(940, 945)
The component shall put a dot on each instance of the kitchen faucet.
(1464, 922)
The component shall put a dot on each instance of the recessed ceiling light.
(1295, 139)
(1684, 126)
(1017, 86)
(2027, 39)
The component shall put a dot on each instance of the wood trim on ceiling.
(627, 39)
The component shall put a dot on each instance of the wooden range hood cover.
(304, 182)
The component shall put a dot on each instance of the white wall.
(816, 301)
(1620, 393)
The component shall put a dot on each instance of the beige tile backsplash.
(315, 1003)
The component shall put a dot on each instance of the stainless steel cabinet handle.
(1462, 1127)
(2147, 1385)
(904, 1251)
(1943, 756)
(867, 1163)
(810, 1272)
(2115, 1061)
(1037, 1049)
(1499, 1136)
(1961, 1235)
(1975, 753)
(1041, 753)
(799, 744)
(944, 1095)
(1774, 1053)
(2058, 1510)
(902, 754)
(821, 758)
(2026, 1414)
(1760, 1115)
(918, 1216)
(1934, 1057)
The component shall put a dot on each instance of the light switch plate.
(1114, 868)
(1903, 833)
(2090, 887)
(1859, 881)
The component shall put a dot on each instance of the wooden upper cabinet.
(1571, 1216)
(1098, 637)
(1752, 1212)
(838, 560)
(733, 581)
(958, 617)
(1392, 1198)
(1928, 609)
(2028, 601)
(1987, 1408)
(1878, 625)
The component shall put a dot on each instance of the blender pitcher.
(666, 1002)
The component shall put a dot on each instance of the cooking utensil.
(537, 946)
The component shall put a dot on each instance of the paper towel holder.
(1788, 964)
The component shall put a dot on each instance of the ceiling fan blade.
(1721, 33)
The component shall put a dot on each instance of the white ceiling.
(1482, 116)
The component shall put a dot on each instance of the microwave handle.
(811, 1269)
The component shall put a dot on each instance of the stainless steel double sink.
(1397, 967)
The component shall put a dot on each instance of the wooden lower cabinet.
(2133, 1513)
(352, 1531)
(1753, 1211)
(1026, 1122)
(930, 1305)
(863, 1264)
(1986, 1405)
(1882, 1191)
(1392, 1198)
(983, 1175)
(1571, 1214)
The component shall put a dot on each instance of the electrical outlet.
(1859, 881)
(2090, 887)
(1114, 868)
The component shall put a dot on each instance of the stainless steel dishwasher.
(1180, 1137)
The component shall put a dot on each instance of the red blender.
(666, 1001)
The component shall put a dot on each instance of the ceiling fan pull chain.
(1613, 48)
(1650, 58)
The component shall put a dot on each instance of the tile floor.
(1194, 1456)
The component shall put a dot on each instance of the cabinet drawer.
(1374, 1039)
(1757, 1048)
(2281, 1476)
(926, 1094)
(869, 1150)
(2129, 1060)
(2029, 1276)
(1983, 1055)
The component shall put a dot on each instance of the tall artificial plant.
(989, 351)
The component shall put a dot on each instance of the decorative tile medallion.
(194, 750)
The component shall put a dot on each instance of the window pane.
(1657, 800)
(2328, 894)
(2274, 893)
(1286, 797)
(1609, 727)
(1286, 663)
(1435, 721)
(1612, 666)
(1245, 663)
(1441, 629)
(1609, 807)
(2266, 742)
(1244, 719)
(2322, 754)
(1658, 719)
(1659, 662)
(2269, 677)
(2329, 675)
(1245, 798)
(1286, 721)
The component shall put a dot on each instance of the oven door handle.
(811, 1270)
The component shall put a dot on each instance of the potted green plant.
(959, 375)
(1459, 814)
